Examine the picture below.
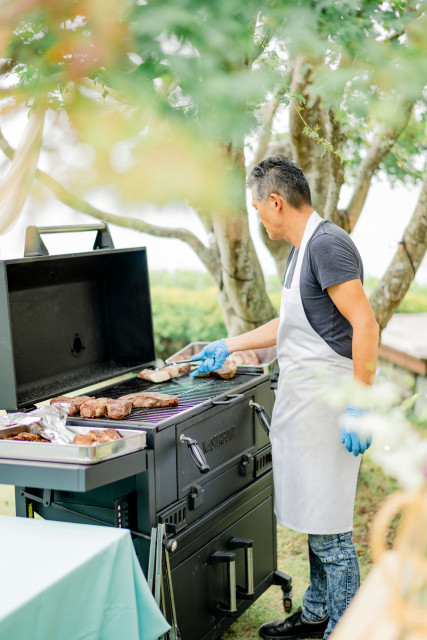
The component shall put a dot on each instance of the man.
(326, 332)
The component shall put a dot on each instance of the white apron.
(314, 475)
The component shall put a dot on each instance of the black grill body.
(204, 512)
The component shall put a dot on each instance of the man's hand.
(213, 357)
(350, 438)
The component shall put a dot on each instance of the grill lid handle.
(229, 398)
(34, 245)
(263, 417)
(196, 453)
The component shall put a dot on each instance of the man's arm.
(350, 300)
(259, 338)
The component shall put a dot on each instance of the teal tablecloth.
(61, 581)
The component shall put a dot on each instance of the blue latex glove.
(353, 442)
(213, 357)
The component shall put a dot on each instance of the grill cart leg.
(23, 505)
(285, 581)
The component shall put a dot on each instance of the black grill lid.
(69, 321)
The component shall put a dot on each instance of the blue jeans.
(334, 577)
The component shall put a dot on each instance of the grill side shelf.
(71, 477)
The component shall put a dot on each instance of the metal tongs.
(159, 548)
(168, 361)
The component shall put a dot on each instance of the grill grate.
(192, 392)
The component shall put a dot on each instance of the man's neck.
(297, 223)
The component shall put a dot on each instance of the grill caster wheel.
(287, 604)
(285, 582)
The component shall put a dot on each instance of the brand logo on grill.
(223, 437)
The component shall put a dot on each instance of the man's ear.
(276, 201)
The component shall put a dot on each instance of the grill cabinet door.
(202, 588)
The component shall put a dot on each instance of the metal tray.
(130, 441)
(267, 357)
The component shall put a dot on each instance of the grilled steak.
(74, 402)
(183, 368)
(163, 374)
(151, 399)
(228, 370)
(154, 376)
(96, 408)
(118, 409)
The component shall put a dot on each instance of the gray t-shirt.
(330, 258)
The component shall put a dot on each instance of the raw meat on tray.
(247, 357)
(97, 435)
(105, 435)
(25, 436)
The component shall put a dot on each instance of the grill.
(193, 393)
(73, 321)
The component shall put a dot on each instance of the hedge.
(183, 315)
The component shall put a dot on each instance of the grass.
(292, 551)
(373, 488)
(7, 500)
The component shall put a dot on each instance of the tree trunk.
(308, 154)
(243, 287)
(396, 281)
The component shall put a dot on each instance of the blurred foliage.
(153, 86)
(181, 279)
(415, 301)
(196, 280)
(186, 309)
(182, 316)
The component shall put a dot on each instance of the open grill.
(69, 322)
(193, 393)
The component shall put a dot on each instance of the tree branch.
(268, 111)
(308, 154)
(336, 170)
(396, 281)
(376, 154)
(65, 196)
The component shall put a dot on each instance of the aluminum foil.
(49, 421)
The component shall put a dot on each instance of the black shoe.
(293, 628)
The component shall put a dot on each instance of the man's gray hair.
(282, 176)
